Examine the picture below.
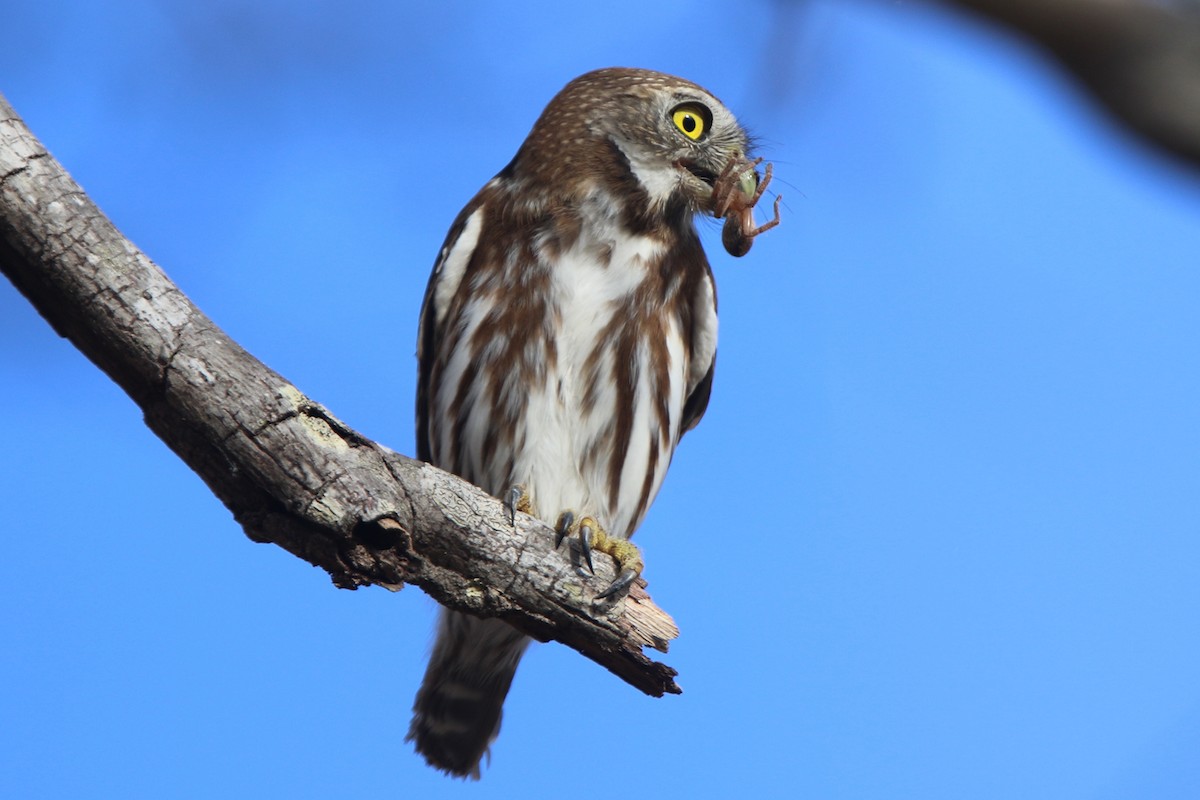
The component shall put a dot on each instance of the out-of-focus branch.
(1139, 58)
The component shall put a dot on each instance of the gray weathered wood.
(291, 472)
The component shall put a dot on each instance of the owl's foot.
(592, 537)
(516, 500)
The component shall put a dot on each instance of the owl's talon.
(594, 539)
(585, 543)
(565, 521)
(623, 582)
(517, 500)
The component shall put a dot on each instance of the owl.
(567, 341)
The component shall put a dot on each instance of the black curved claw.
(623, 582)
(563, 528)
(585, 544)
(511, 502)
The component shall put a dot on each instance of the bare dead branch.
(292, 473)
(1139, 58)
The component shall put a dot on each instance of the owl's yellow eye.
(692, 119)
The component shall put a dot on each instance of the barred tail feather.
(456, 715)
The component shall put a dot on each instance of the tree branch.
(1139, 58)
(292, 473)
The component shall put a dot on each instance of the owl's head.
(669, 136)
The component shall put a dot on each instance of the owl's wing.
(703, 359)
(452, 263)
(697, 401)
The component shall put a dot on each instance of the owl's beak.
(706, 175)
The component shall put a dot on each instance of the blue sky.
(937, 536)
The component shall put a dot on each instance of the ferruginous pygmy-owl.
(567, 341)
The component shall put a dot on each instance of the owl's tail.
(456, 715)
